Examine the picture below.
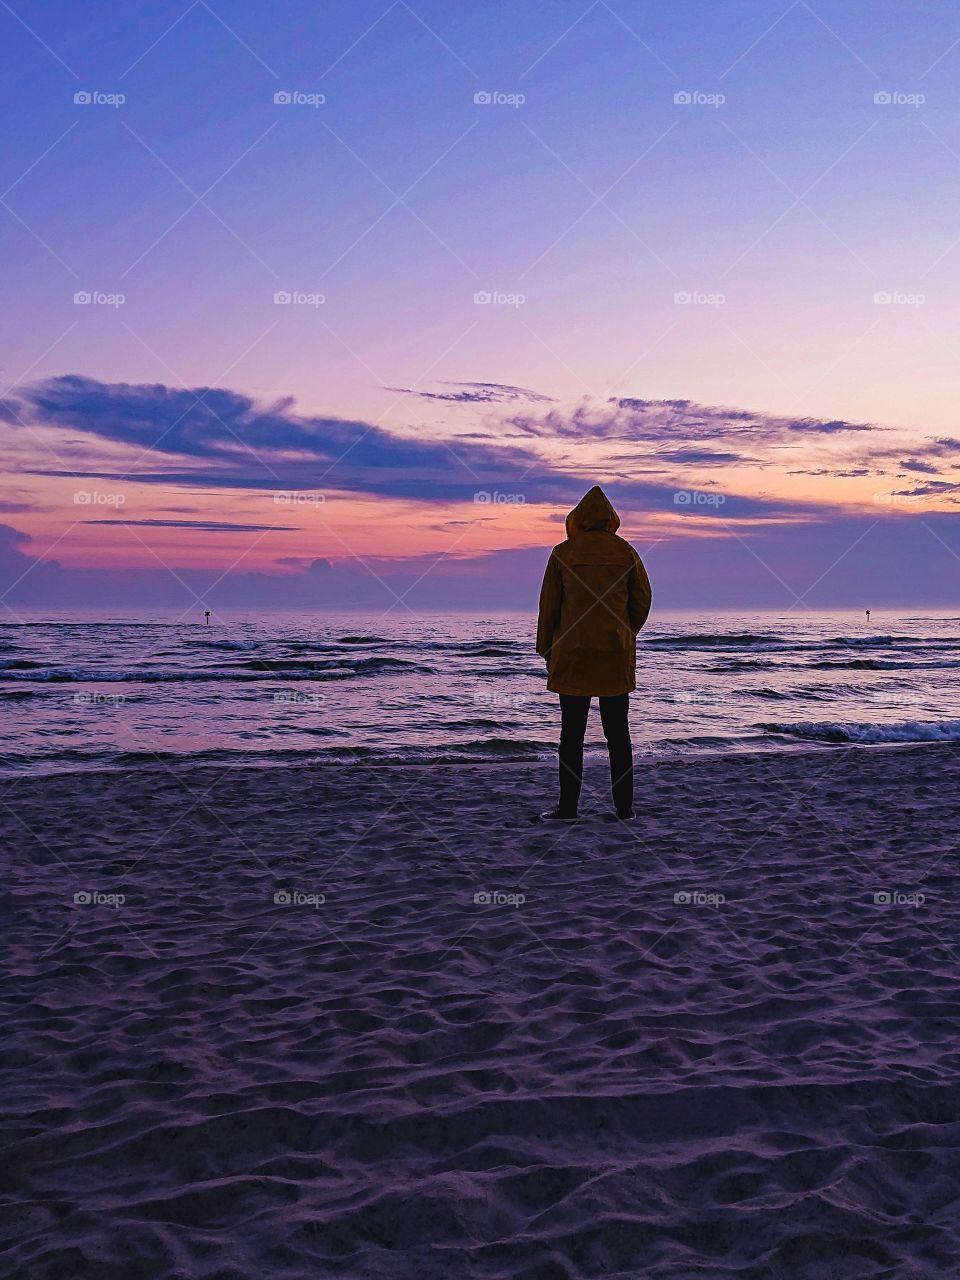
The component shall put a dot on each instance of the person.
(595, 598)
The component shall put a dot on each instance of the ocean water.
(96, 691)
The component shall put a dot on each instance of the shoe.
(626, 817)
(554, 815)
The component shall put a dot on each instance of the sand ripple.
(385, 1027)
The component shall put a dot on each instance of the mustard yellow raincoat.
(595, 598)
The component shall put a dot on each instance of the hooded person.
(595, 598)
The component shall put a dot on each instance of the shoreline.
(594, 753)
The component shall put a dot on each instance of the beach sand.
(358, 1024)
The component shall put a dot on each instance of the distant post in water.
(868, 615)
(206, 616)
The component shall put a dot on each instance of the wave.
(733, 665)
(265, 670)
(472, 751)
(881, 664)
(865, 733)
(358, 666)
(746, 664)
(729, 639)
(227, 644)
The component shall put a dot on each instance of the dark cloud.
(848, 474)
(223, 440)
(476, 393)
(702, 457)
(10, 411)
(917, 464)
(932, 488)
(265, 447)
(656, 422)
(210, 526)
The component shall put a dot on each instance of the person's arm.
(551, 597)
(639, 596)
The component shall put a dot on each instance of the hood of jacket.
(593, 511)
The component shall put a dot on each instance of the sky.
(346, 305)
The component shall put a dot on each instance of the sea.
(101, 691)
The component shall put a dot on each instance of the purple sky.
(346, 306)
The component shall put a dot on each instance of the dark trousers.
(616, 729)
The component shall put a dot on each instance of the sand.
(286, 1038)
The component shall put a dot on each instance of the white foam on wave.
(906, 731)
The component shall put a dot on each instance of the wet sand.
(331, 1022)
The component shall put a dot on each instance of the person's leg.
(573, 725)
(616, 730)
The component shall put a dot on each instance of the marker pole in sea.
(868, 615)
(206, 616)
